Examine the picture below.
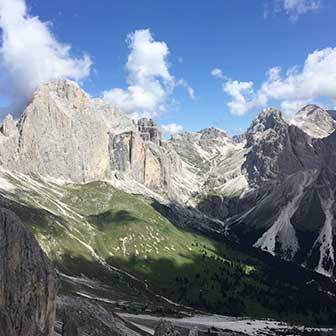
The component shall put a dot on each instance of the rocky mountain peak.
(268, 126)
(63, 88)
(268, 118)
(315, 121)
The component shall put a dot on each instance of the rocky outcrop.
(27, 282)
(166, 328)
(83, 317)
(149, 163)
(149, 131)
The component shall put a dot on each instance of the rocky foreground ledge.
(27, 282)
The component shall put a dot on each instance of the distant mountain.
(315, 121)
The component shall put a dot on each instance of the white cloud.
(315, 79)
(296, 8)
(217, 73)
(172, 129)
(30, 55)
(150, 83)
(191, 92)
(240, 93)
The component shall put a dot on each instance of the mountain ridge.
(65, 134)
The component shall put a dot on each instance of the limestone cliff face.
(27, 282)
(149, 163)
(65, 134)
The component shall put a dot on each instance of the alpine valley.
(132, 224)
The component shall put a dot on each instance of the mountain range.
(110, 201)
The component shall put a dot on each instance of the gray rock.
(276, 149)
(166, 328)
(149, 131)
(6, 326)
(27, 281)
(84, 317)
(70, 326)
(194, 331)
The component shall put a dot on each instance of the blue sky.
(243, 38)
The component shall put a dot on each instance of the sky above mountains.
(190, 64)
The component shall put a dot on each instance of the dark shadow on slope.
(31, 216)
(111, 288)
(108, 218)
(277, 288)
(281, 291)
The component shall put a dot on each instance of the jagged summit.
(315, 121)
(268, 119)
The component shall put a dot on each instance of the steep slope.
(293, 191)
(276, 149)
(104, 234)
(115, 249)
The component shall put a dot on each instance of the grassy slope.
(79, 225)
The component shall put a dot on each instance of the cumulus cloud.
(30, 55)
(315, 79)
(296, 8)
(172, 129)
(240, 93)
(150, 83)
